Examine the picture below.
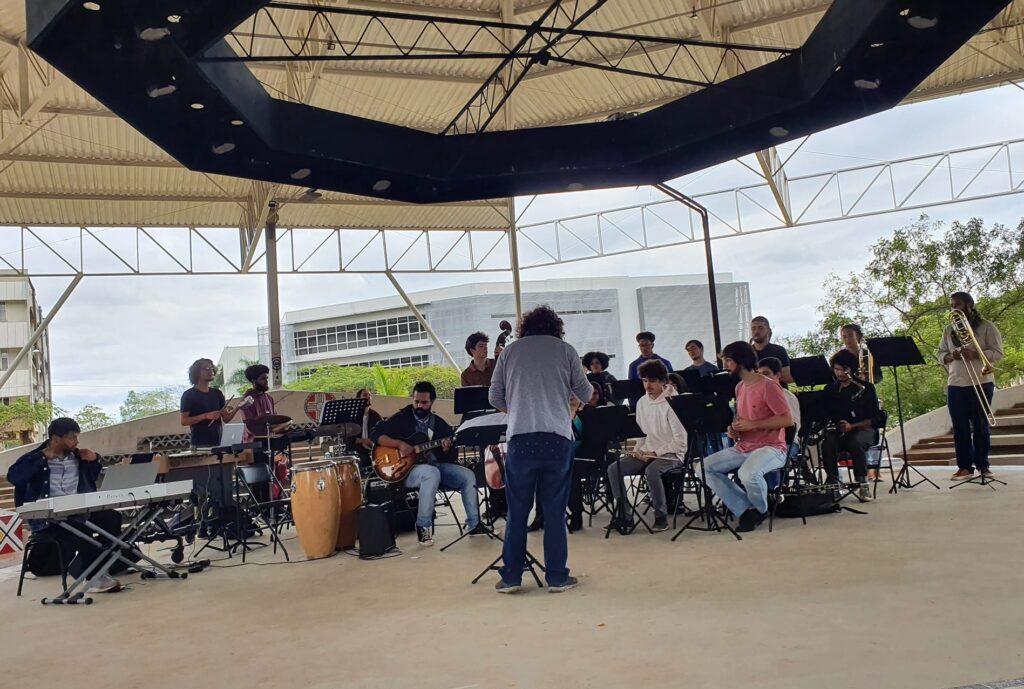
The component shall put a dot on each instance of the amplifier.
(400, 506)
(375, 535)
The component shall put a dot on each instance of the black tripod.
(982, 480)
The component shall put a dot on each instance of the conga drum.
(350, 491)
(316, 504)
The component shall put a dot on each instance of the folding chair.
(270, 514)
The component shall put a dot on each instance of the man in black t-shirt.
(202, 407)
(760, 340)
(851, 405)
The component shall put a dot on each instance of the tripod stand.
(981, 480)
(481, 436)
(614, 425)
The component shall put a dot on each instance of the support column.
(705, 224)
(423, 321)
(38, 332)
(513, 253)
(273, 302)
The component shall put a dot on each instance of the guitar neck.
(418, 449)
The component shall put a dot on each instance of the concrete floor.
(923, 593)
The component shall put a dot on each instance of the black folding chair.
(272, 515)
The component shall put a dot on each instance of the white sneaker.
(104, 584)
(864, 492)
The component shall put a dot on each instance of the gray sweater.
(532, 381)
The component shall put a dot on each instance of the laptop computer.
(124, 476)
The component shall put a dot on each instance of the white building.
(233, 359)
(20, 315)
(600, 314)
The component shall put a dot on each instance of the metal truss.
(555, 37)
(920, 182)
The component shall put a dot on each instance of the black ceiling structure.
(167, 68)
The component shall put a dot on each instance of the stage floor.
(925, 592)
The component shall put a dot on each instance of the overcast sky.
(115, 334)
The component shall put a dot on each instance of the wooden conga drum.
(350, 491)
(316, 504)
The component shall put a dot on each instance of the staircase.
(6, 495)
(1007, 443)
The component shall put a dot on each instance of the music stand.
(343, 411)
(893, 352)
(472, 398)
(631, 390)
(701, 413)
(810, 371)
(616, 424)
(813, 421)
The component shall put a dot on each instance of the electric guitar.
(392, 467)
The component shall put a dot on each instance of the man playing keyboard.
(55, 468)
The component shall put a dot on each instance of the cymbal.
(272, 419)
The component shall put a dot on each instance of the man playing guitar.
(418, 423)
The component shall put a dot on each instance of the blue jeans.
(970, 427)
(429, 477)
(752, 467)
(537, 464)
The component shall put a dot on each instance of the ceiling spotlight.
(301, 173)
(223, 148)
(237, 123)
(158, 91)
(778, 131)
(310, 195)
(91, 6)
(904, 12)
(330, 45)
(154, 33)
(174, 18)
(197, 106)
(575, 186)
(918, 22)
(877, 45)
(382, 185)
(867, 84)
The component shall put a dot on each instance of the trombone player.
(970, 346)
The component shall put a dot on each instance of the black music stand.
(338, 412)
(480, 437)
(472, 398)
(814, 421)
(223, 528)
(609, 425)
(893, 352)
(631, 390)
(810, 371)
(703, 412)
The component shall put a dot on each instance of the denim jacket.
(30, 476)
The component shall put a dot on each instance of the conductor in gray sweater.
(532, 381)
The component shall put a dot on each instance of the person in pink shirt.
(758, 428)
(262, 404)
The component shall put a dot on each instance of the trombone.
(866, 363)
(963, 338)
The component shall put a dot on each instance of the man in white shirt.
(660, 451)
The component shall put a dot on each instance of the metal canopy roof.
(66, 160)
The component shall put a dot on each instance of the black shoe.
(575, 523)
(748, 521)
(478, 530)
(660, 523)
(619, 524)
(535, 525)
(570, 583)
(425, 535)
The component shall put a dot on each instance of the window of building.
(3, 312)
(4, 361)
(357, 335)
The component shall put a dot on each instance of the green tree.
(147, 403)
(21, 413)
(237, 378)
(90, 417)
(383, 381)
(904, 290)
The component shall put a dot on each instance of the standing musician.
(203, 408)
(853, 342)
(645, 341)
(970, 425)
(436, 469)
(59, 467)
(760, 340)
(695, 348)
(851, 408)
(262, 403)
(532, 382)
(660, 451)
(480, 368)
(762, 415)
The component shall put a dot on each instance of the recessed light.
(174, 18)
(904, 12)
(301, 173)
(91, 6)
(778, 131)
(867, 84)
(237, 123)
(918, 22)
(382, 185)
(154, 33)
(575, 186)
(157, 91)
(877, 45)
(223, 148)
(197, 106)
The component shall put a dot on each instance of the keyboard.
(192, 460)
(67, 505)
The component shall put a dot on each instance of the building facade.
(233, 359)
(20, 316)
(600, 314)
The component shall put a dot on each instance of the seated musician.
(59, 467)
(770, 367)
(660, 451)
(596, 366)
(262, 403)
(645, 343)
(695, 348)
(851, 406)
(203, 408)
(370, 419)
(758, 428)
(435, 469)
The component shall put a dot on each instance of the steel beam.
(423, 321)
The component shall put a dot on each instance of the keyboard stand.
(75, 593)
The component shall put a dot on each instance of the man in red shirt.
(762, 415)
